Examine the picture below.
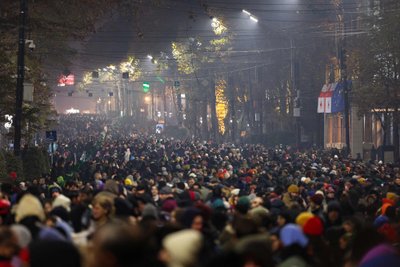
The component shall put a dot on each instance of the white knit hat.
(183, 247)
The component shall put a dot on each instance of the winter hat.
(4, 206)
(293, 188)
(150, 211)
(235, 192)
(29, 205)
(60, 181)
(317, 199)
(62, 201)
(392, 196)
(166, 190)
(313, 226)
(259, 214)
(380, 220)
(243, 204)
(22, 233)
(303, 217)
(111, 186)
(382, 255)
(128, 182)
(169, 205)
(183, 247)
(218, 204)
(292, 234)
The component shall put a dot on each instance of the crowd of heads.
(120, 197)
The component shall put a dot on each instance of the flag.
(328, 105)
(325, 98)
(66, 80)
(321, 104)
(338, 99)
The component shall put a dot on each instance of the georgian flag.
(325, 98)
(321, 104)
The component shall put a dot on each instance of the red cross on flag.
(325, 98)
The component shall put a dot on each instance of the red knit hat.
(313, 226)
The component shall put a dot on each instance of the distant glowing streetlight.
(147, 99)
(246, 12)
(215, 23)
(218, 26)
(253, 18)
(150, 57)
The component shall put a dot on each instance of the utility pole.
(295, 89)
(343, 78)
(20, 78)
(346, 98)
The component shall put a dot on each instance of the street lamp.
(150, 57)
(253, 18)
(246, 12)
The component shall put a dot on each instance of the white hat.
(183, 247)
(235, 191)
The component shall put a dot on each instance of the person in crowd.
(128, 198)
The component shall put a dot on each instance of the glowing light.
(9, 119)
(246, 12)
(218, 26)
(221, 104)
(147, 99)
(253, 18)
(150, 57)
(72, 111)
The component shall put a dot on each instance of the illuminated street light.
(150, 57)
(215, 23)
(246, 12)
(147, 99)
(253, 18)
(218, 27)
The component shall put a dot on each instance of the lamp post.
(20, 78)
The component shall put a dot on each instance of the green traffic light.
(146, 87)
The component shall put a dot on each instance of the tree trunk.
(214, 122)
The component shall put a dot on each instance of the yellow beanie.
(128, 182)
(293, 188)
(303, 217)
(392, 196)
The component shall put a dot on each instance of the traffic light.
(146, 87)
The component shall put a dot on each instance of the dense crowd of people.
(116, 198)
